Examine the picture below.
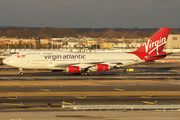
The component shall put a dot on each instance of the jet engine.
(72, 69)
(102, 67)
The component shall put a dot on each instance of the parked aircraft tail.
(152, 49)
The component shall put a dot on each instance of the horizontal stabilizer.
(161, 55)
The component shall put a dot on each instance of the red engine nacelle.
(72, 69)
(102, 67)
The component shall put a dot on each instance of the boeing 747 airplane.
(86, 63)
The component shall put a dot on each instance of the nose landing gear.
(21, 72)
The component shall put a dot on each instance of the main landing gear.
(86, 73)
(21, 72)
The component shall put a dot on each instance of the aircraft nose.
(6, 61)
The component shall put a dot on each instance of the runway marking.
(80, 97)
(120, 89)
(11, 98)
(148, 102)
(46, 90)
(11, 104)
(67, 103)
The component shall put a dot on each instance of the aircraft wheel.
(90, 73)
(21, 73)
(83, 73)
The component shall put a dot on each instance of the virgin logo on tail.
(158, 43)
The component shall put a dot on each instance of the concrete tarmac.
(102, 76)
(145, 79)
(144, 69)
(90, 88)
(91, 115)
(25, 103)
(16, 102)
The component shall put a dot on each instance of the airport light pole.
(83, 44)
(24, 45)
(34, 46)
(52, 44)
(30, 44)
(96, 46)
(8, 48)
(8, 45)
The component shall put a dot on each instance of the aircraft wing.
(81, 65)
(93, 64)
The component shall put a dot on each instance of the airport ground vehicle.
(86, 63)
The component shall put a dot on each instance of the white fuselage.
(55, 59)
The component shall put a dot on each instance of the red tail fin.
(156, 43)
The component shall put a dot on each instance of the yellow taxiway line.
(11, 104)
(11, 98)
(148, 102)
(120, 89)
(145, 97)
(46, 90)
(67, 103)
(80, 97)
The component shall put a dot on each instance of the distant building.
(173, 41)
(119, 45)
(106, 45)
(134, 45)
(14, 41)
(89, 43)
(44, 41)
(73, 44)
(58, 39)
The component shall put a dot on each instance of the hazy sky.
(90, 13)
